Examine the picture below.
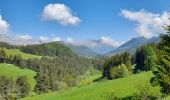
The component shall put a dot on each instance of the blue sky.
(98, 18)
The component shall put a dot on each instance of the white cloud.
(109, 41)
(148, 24)
(95, 43)
(56, 39)
(43, 39)
(70, 40)
(60, 13)
(24, 37)
(3, 26)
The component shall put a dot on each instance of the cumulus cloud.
(148, 23)
(3, 26)
(104, 40)
(56, 39)
(60, 13)
(43, 39)
(24, 37)
(109, 41)
(70, 40)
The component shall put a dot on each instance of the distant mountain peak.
(131, 45)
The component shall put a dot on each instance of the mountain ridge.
(131, 45)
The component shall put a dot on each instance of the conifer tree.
(162, 72)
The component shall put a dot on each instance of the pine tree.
(43, 83)
(145, 58)
(150, 58)
(5, 87)
(3, 56)
(162, 73)
(23, 86)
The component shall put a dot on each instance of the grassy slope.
(86, 80)
(123, 87)
(13, 71)
(167, 98)
(18, 52)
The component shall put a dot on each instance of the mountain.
(131, 45)
(86, 51)
(102, 49)
(82, 50)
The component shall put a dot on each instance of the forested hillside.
(58, 67)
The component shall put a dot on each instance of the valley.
(84, 50)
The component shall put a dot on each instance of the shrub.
(109, 95)
(62, 86)
(146, 92)
(85, 83)
(119, 71)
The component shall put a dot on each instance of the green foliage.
(10, 89)
(98, 63)
(91, 71)
(5, 87)
(119, 71)
(122, 88)
(162, 73)
(59, 67)
(70, 80)
(146, 92)
(47, 49)
(87, 79)
(115, 61)
(23, 86)
(145, 58)
(6, 45)
(110, 95)
(43, 83)
(57, 85)
(12, 71)
(62, 62)
(12, 52)
(3, 56)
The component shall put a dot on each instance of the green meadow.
(13, 71)
(122, 87)
(18, 52)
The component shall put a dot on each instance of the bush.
(62, 86)
(85, 83)
(146, 92)
(116, 60)
(109, 95)
(70, 80)
(119, 71)
(91, 71)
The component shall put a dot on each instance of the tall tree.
(43, 83)
(114, 61)
(23, 86)
(17, 60)
(145, 58)
(162, 73)
(150, 58)
(3, 56)
(5, 90)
